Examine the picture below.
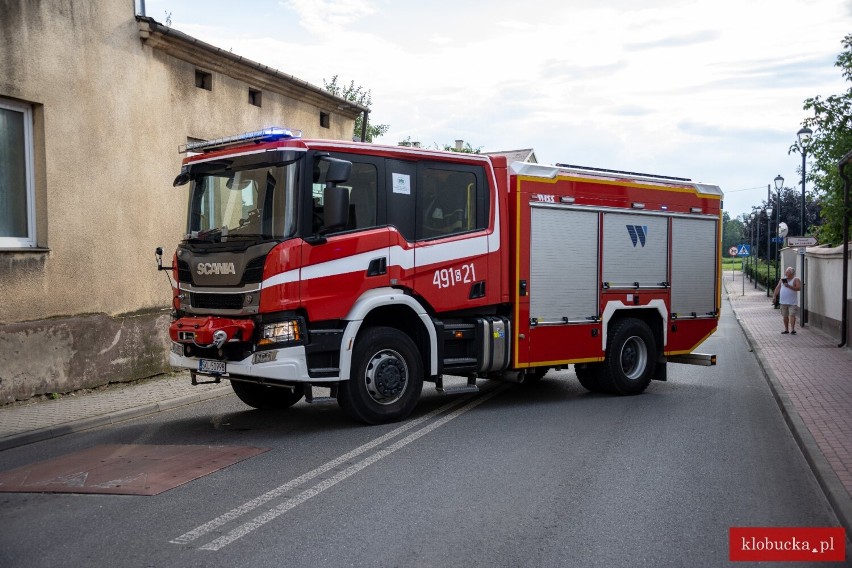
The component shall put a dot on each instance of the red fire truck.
(370, 269)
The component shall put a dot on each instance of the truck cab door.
(401, 192)
(354, 258)
(451, 252)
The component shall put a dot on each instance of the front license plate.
(208, 366)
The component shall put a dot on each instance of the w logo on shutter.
(638, 234)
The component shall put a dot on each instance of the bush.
(758, 270)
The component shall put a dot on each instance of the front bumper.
(289, 365)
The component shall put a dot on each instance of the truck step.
(458, 389)
(458, 361)
(311, 399)
(458, 326)
(323, 371)
(320, 399)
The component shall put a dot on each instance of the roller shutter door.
(563, 265)
(694, 248)
(635, 249)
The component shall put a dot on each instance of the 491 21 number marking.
(446, 277)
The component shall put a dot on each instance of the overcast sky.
(711, 90)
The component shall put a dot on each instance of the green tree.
(361, 96)
(791, 208)
(732, 232)
(465, 149)
(832, 139)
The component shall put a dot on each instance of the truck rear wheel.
(264, 397)
(631, 356)
(589, 376)
(386, 377)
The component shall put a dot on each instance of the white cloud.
(330, 16)
(709, 90)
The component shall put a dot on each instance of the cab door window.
(402, 187)
(363, 195)
(451, 200)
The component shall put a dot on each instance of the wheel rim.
(634, 358)
(386, 377)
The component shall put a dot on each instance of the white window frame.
(30, 240)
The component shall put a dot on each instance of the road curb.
(73, 426)
(831, 485)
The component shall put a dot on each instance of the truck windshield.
(257, 201)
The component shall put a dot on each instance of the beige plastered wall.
(110, 112)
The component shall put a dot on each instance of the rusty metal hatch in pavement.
(123, 469)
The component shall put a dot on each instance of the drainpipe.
(364, 126)
(841, 166)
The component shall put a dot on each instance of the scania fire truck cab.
(368, 269)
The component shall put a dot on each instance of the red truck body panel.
(562, 252)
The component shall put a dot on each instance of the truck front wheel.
(265, 397)
(386, 377)
(631, 356)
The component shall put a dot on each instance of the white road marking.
(293, 502)
(282, 489)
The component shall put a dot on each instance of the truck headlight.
(280, 332)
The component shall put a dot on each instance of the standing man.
(787, 289)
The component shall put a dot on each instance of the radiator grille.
(217, 301)
(254, 271)
(184, 275)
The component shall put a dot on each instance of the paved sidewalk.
(42, 419)
(812, 381)
(810, 376)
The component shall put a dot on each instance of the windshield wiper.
(235, 235)
(210, 236)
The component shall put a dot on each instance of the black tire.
(386, 378)
(631, 356)
(589, 376)
(264, 397)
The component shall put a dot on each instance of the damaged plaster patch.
(34, 360)
(65, 354)
(113, 344)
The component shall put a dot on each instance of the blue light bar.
(266, 135)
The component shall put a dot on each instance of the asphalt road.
(516, 475)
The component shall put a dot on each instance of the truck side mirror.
(335, 208)
(338, 170)
(335, 199)
(182, 179)
(158, 254)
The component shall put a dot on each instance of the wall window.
(203, 80)
(325, 119)
(17, 193)
(255, 97)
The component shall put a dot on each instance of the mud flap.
(660, 372)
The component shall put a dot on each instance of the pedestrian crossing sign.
(744, 250)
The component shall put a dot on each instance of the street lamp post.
(804, 135)
(751, 244)
(757, 246)
(779, 183)
(768, 233)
